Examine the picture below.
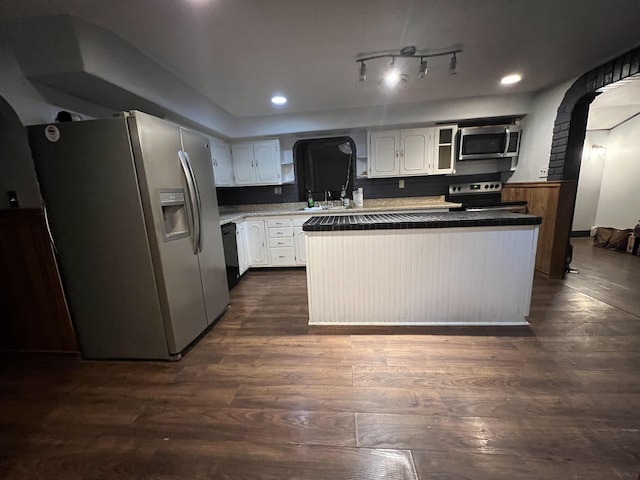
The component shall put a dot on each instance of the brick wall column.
(564, 160)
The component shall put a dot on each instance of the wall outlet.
(277, 190)
(401, 183)
(543, 172)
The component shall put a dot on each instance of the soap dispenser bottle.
(310, 202)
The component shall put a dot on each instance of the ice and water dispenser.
(175, 223)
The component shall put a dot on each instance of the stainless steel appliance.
(482, 196)
(231, 253)
(134, 216)
(478, 143)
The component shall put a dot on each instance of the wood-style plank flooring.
(264, 396)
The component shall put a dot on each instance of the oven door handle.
(506, 208)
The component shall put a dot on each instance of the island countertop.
(388, 221)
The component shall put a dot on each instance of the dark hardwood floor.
(264, 396)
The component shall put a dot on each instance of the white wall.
(17, 171)
(590, 181)
(619, 204)
(29, 102)
(424, 113)
(537, 128)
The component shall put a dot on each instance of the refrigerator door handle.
(198, 202)
(195, 223)
(48, 225)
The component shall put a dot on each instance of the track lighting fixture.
(422, 70)
(452, 64)
(393, 76)
(363, 72)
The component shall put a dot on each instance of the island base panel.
(445, 276)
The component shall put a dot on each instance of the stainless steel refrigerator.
(134, 218)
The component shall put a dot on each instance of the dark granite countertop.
(386, 221)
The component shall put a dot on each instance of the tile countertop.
(239, 212)
(386, 221)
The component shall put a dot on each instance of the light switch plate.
(277, 190)
(401, 183)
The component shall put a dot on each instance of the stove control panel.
(473, 188)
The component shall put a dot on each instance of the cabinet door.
(243, 250)
(444, 149)
(301, 251)
(258, 251)
(384, 154)
(267, 162)
(222, 168)
(243, 164)
(416, 148)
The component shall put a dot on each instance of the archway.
(571, 121)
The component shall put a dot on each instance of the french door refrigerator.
(133, 214)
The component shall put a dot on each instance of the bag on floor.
(607, 237)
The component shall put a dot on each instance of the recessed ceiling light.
(510, 79)
(278, 100)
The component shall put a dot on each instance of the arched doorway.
(571, 119)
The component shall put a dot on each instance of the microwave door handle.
(192, 200)
(507, 142)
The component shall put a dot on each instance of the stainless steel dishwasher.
(231, 253)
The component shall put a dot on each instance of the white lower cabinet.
(298, 240)
(271, 242)
(281, 242)
(242, 245)
(258, 247)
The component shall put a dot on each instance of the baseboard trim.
(581, 233)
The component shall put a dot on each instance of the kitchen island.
(455, 268)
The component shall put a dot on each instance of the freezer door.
(211, 252)
(157, 149)
(88, 179)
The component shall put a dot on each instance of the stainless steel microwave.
(501, 141)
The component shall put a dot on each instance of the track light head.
(422, 70)
(392, 77)
(363, 72)
(452, 65)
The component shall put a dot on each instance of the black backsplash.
(373, 188)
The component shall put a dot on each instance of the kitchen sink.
(322, 207)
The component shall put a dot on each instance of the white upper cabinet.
(396, 153)
(268, 162)
(221, 160)
(257, 163)
(444, 149)
(415, 151)
(384, 154)
(243, 164)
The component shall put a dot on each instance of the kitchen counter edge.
(240, 216)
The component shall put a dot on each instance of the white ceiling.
(240, 52)
(615, 106)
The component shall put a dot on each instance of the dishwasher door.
(231, 254)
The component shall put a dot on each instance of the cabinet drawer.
(298, 221)
(278, 222)
(281, 242)
(283, 256)
(280, 232)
